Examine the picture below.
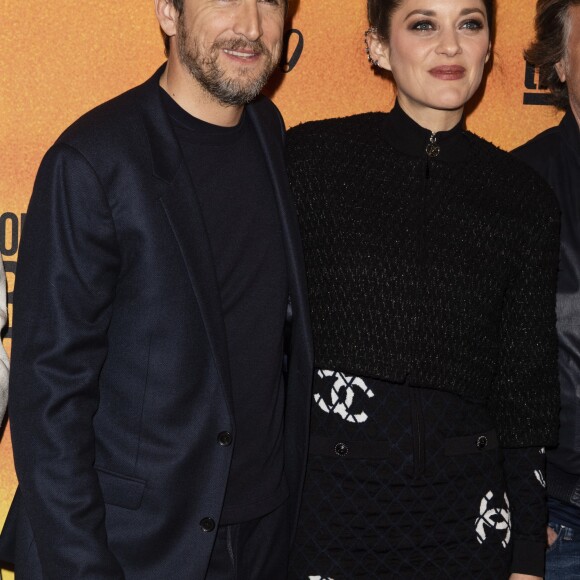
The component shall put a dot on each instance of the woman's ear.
(378, 49)
(488, 55)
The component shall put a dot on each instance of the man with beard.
(161, 351)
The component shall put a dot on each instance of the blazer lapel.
(269, 135)
(184, 214)
(270, 131)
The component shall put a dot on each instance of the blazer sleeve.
(4, 364)
(67, 271)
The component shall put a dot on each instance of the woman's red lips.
(448, 73)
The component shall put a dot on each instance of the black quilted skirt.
(402, 482)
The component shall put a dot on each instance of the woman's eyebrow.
(425, 12)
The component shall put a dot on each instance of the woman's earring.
(371, 30)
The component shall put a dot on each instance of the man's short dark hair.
(552, 25)
(179, 7)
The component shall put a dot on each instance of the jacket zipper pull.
(432, 150)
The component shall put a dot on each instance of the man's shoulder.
(114, 123)
(539, 150)
(267, 113)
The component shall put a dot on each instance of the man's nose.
(248, 20)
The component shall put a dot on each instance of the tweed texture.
(436, 271)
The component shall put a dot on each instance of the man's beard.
(205, 69)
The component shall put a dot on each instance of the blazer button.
(207, 525)
(341, 449)
(481, 442)
(225, 438)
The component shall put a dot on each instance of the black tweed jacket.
(440, 271)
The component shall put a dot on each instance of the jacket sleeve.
(4, 365)
(525, 394)
(67, 270)
(524, 470)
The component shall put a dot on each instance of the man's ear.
(167, 16)
(379, 50)
(560, 67)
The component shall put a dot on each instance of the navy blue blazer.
(120, 383)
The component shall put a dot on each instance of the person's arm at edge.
(4, 364)
(67, 271)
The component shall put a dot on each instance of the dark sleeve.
(67, 270)
(4, 364)
(524, 470)
(525, 395)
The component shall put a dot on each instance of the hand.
(552, 536)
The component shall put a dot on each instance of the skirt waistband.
(328, 447)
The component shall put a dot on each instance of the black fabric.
(419, 512)
(253, 550)
(402, 133)
(436, 270)
(525, 477)
(239, 211)
(555, 155)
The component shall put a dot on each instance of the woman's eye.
(473, 25)
(422, 25)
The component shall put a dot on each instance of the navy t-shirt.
(234, 189)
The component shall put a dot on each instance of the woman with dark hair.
(555, 154)
(432, 262)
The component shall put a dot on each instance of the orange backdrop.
(64, 57)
